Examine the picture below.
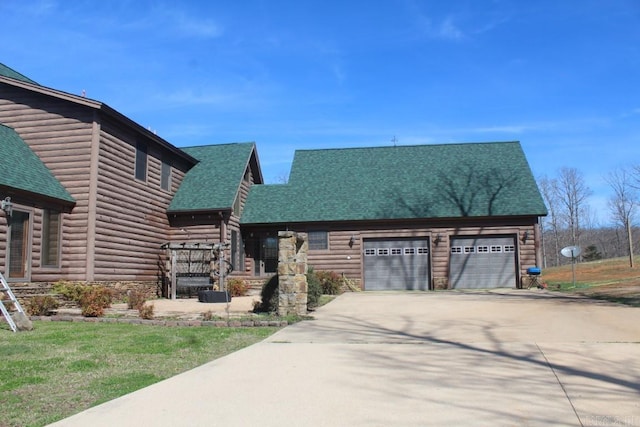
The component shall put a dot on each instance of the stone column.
(292, 268)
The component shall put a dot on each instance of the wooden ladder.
(5, 289)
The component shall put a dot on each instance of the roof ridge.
(408, 146)
(218, 145)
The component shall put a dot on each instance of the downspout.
(93, 198)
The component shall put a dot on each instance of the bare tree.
(549, 191)
(623, 204)
(572, 196)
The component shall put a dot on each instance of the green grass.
(610, 280)
(61, 368)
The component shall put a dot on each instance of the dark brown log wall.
(59, 132)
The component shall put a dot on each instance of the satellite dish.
(570, 251)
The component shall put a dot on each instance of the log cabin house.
(91, 196)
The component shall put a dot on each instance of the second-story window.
(141, 161)
(165, 175)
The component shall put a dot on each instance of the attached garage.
(482, 262)
(396, 264)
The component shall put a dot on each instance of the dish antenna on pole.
(572, 252)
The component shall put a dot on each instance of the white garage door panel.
(482, 262)
(397, 264)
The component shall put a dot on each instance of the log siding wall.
(342, 258)
(115, 230)
(60, 134)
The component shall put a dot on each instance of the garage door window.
(456, 249)
(423, 251)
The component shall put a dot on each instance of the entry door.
(267, 248)
(482, 262)
(396, 264)
(19, 245)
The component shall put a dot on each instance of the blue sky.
(560, 76)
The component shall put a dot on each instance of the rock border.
(170, 323)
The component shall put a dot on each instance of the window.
(51, 238)
(318, 240)
(396, 251)
(496, 249)
(469, 249)
(237, 251)
(409, 251)
(237, 206)
(483, 249)
(383, 251)
(509, 248)
(423, 251)
(141, 161)
(19, 245)
(369, 252)
(456, 249)
(165, 176)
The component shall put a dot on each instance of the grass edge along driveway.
(61, 368)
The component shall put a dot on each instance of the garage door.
(401, 264)
(482, 262)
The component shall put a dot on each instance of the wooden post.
(174, 255)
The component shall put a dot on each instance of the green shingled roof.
(11, 73)
(403, 182)
(22, 169)
(213, 183)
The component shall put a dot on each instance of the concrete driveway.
(494, 358)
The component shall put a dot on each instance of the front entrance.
(267, 260)
(19, 245)
(396, 264)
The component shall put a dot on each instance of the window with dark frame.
(165, 175)
(51, 226)
(318, 240)
(141, 161)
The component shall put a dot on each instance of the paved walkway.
(498, 358)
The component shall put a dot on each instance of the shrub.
(268, 296)
(94, 300)
(207, 315)
(135, 299)
(330, 282)
(314, 289)
(146, 311)
(41, 305)
(237, 287)
(70, 291)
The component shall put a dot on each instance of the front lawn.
(61, 368)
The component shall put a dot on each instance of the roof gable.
(403, 182)
(13, 74)
(23, 169)
(213, 183)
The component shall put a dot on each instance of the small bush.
(146, 311)
(94, 301)
(330, 282)
(268, 296)
(207, 316)
(71, 291)
(41, 305)
(314, 289)
(135, 299)
(237, 287)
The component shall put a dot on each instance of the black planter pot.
(214, 296)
